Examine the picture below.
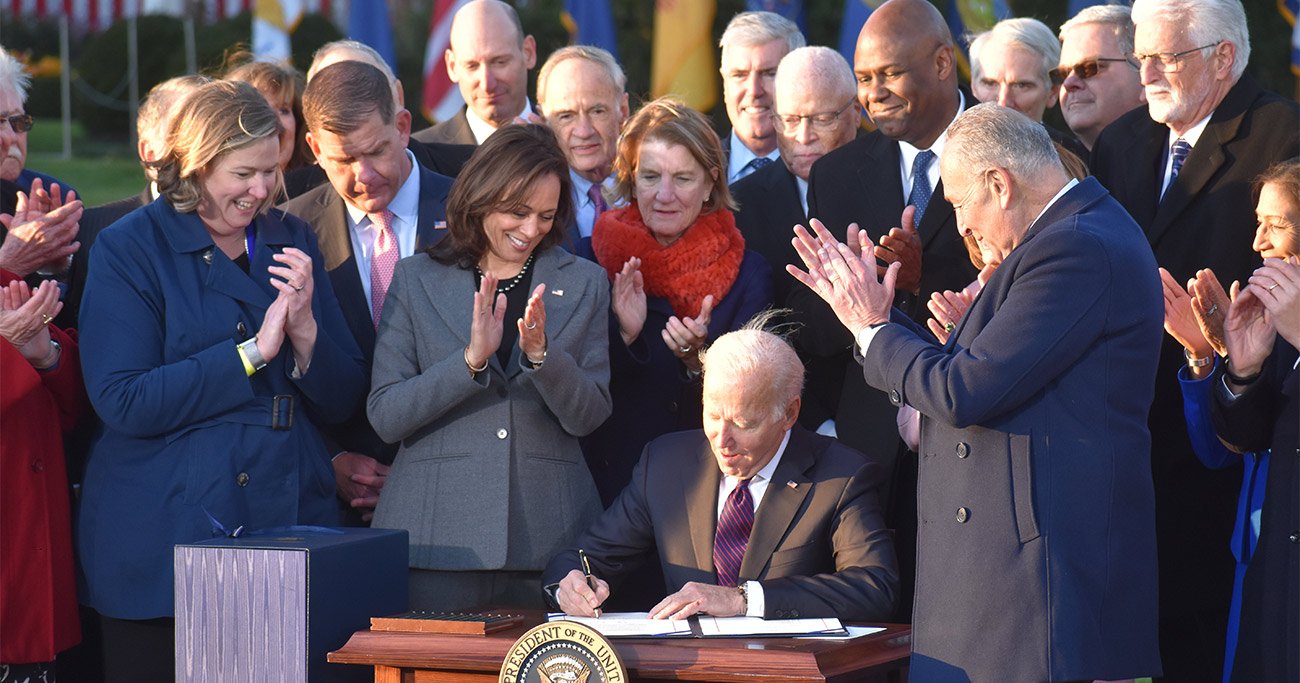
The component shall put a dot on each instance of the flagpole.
(65, 85)
(133, 72)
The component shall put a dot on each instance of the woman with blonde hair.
(210, 342)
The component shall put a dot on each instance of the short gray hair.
(595, 55)
(748, 29)
(375, 59)
(989, 135)
(13, 75)
(1205, 21)
(1118, 17)
(1031, 34)
(756, 351)
(819, 64)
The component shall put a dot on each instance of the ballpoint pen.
(586, 571)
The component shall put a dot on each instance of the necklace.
(503, 287)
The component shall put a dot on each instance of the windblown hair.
(759, 352)
(670, 121)
(154, 117)
(13, 75)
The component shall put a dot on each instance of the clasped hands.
(578, 598)
(845, 274)
(488, 320)
(290, 315)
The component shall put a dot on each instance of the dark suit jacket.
(769, 210)
(324, 210)
(93, 221)
(1036, 510)
(437, 157)
(1206, 220)
(1267, 415)
(819, 546)
(454, 130)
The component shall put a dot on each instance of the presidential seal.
(562, 652)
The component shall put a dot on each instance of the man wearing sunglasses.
(1182, 167)
(1098, 79)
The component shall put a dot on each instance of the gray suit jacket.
(489, 474)
(454, 130)
(819, 546)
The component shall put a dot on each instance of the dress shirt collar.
(803, 193)
(1059, 193)
(482, 129)
(740, 156)
(758, 483)
(1192, 135)
(908, 152)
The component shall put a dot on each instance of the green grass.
(101, 170)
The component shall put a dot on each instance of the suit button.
(895, 397)
(241, 329)
(672, 406)
(38, 465)
(242, 479)
(963, 449)
(501, 433)
(962, 515)
(1295, 537)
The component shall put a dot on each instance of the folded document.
(640, 625)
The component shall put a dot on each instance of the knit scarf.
(704, 260)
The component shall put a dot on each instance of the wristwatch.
(249, 349)
(743, 587)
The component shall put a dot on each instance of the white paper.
(854, 632)
(629, 624)
(756, 626)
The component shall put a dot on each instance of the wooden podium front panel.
(433, 658)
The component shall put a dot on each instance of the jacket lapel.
(335, 240)
(449, 295)
(937, 214)
(432, 223)
(780, 504)
(701, 491)
(882, 189)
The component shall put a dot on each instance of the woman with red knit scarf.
(681, 277)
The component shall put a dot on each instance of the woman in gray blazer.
(491, 360)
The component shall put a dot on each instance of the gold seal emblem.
(562, 652)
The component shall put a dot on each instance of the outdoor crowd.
(1034, 391)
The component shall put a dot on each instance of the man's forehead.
(10, 103)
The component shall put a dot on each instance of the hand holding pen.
(580, 593)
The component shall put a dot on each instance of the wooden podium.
(433, 658)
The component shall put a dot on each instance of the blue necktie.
(921, 190)
(754, 164)
(1178, 152)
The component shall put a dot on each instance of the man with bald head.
(581, 95)
(489, 57)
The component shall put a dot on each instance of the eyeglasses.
(821, 121)
(21, 123)
(1085, 69)
(1170, 62)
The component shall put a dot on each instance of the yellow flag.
(685, 61)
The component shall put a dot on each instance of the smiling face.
(586, 110)
(1091, 104)
(903, 85)
(1278, 234)
(748, 76)
(1013, 76)
(368, 165)
(13, 145)
(743, 430)
(514, 234)
(490, 63)
(671, 188)
(236, 186)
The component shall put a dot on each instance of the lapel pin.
(557, 292)
(207, 257)
(791, 484)
(440, 225)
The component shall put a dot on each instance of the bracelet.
(1197, 362)
(473, 371)
(533, 365)
(1239, 380)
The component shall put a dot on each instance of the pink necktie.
(383, 259)
(732, 537)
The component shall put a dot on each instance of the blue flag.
(368, 23)
(590, 22)
(855, 15)
(1290, 9)
(1076, 6)
(790, 9)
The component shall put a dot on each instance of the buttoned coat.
(818, 545)
(1036, 544)
(190, 440)
(489, 474)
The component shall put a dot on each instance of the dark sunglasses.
(1085, 69)
(21, 123)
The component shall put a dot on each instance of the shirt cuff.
(754, 595)
(865, 335)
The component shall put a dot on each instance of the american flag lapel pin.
(557, 292)
(440, 225)
(792, 484)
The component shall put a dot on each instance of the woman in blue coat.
(211, 342)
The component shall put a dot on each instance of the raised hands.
(294, 281)
(486, 323)
(41, 231)
(685, 336)
(844, 275)
(1277, 286)
(532, 327)
(1248, 332)
(1180, 318)
(628, 300)
(902, 246)
(1210, 305)
(25, 316)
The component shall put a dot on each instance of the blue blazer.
(1036, 547)
(189, 440)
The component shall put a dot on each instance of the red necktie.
(383, 259)
(733, 534)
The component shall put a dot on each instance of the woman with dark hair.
(490, 362)
(211, 341)
(282, 86)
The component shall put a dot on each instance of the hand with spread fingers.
(1248, 332)
(686, 336)
(1277, 285)
(902, 246)
(25, 317)
(486, 323)
(844, 275)
(576, 596)
(1210, 305)
(532, 327)
(700, 598)
(42, 230)
(628, 300)
(1181, 322)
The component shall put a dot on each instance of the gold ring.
(46, 318)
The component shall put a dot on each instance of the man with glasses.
(1098, 77)
(1183, 167)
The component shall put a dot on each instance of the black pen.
(586, 571)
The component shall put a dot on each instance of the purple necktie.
(597, 199)
(733, 534)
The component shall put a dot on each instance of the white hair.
(595, 55)
(13, 75)
(1118, 17)
(1031, 34)
(374, 58)
(762, 355)
(1205, 22)
(748, 29)
(989, 135)
(816, 64)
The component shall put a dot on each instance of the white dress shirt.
(757, 488)
(1191, 137)
(482, 129)
(739, 157)
(406, 217)
(907, 155)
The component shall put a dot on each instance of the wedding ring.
(949, 326)
(530, 327)
(1273, 287)
(1214, 308)
(298, 288)
(684, 349)
(46, 318)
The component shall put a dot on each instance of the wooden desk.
(431, 658)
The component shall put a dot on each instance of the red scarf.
(704, 260)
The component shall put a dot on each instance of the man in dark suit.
(488, 57)
(379, 206)
(1035, 557)
(1183, 168)
(751, 516)
(442, 158)
(752, 47)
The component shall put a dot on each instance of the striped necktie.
(732, 537)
